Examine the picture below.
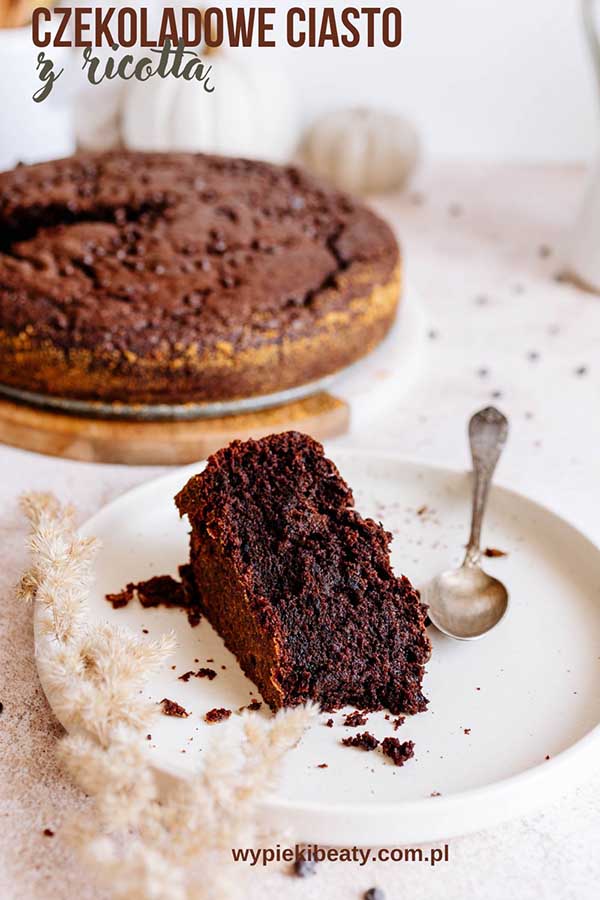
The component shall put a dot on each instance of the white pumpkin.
(250, 113)
(362, 151)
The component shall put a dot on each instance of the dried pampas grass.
(142, 841)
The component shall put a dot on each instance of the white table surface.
(500, 322)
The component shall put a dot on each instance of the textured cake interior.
(298, 584)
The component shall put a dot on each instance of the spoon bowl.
(465, 603)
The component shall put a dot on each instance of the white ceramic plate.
(498, 707)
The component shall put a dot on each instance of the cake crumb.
(121, 598)
(322, 766)
(217, 715)
(467, 730)
(494, 553)
(435, 794)
(329, 723)
(363, 741)
(398, 722)
(47, 832)
(397, 752)
(170, 708)
(162, 590)
(354, 719)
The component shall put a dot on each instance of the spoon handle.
(488, 430)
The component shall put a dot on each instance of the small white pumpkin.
(362, 151)
(250, 113)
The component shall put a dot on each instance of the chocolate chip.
(303, 868)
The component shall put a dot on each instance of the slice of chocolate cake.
(298, 584)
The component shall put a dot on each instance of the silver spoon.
(466, 603)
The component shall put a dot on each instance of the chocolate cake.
(298, 584)
(175, 278)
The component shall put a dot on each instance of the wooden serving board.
(161, 443)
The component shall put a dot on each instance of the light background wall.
(481, 78)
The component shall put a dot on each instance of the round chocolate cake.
(177, 278)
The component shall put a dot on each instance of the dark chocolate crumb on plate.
(170, 708)
(122, 598)
(397, 752)
(217, 715)
(374, 894)
(363, 741)
(329, 723)
(494, 553)
(467, 730)
(162, 590)
(323, 766)
(254, 706)
(206, 673)
(303, 868)
(398, 722)
(47, 832)
(354, 719)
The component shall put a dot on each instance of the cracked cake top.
(107, 250)
(200, 267)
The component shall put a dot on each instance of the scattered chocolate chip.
(494, 553)
(217, 715)
(354, 719)
(397, 752)
(48, 832)
(170, 708)
(546, 757)
(364, 741)
(467, 730)
(323, 766)
(303, 868)
(374, 894)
